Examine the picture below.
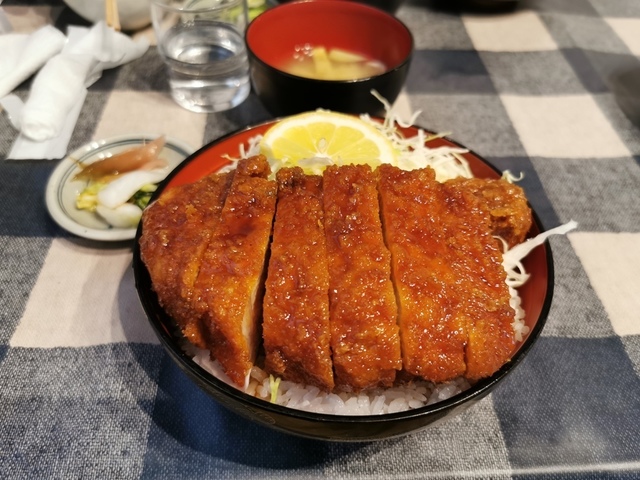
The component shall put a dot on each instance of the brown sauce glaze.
(364, 330)
(295, 324)
(230, 282)
(176, 231)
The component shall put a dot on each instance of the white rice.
(379, 401)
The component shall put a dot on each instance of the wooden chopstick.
(111, 14)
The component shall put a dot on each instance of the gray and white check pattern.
(86, 390)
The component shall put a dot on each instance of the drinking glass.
(202, 44)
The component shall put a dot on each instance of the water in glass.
(208, 65)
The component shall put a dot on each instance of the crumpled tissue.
(48, 117)
(23, 54)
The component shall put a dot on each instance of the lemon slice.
(316, 139)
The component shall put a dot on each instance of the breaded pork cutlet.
(485, 303)
(296, 302)
(448, 275)
(176, 230)
(364, 330)
(419, 230)
(507, 204)
(231, 275)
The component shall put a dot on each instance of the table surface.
(86, 390)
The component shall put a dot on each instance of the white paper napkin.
(59, 89)
(23, 54)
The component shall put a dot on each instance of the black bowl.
(272, 37)
(536, 297)
(390, 6)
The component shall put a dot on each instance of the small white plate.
(62, 190)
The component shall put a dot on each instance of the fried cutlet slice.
(455, 316)
(229, 285)
(420, 232)
(295, 326)
(480, 276)
(363, 311)
(510, 212)
(176, 230)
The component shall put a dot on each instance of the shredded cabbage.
(512, 258)
(274, 383)
(413, 152)
(517, 275)
(510, 177)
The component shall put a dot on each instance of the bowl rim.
(347, 4)
(475, 392)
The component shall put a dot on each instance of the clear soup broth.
(320, 63)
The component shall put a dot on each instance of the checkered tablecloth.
(86, 390)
